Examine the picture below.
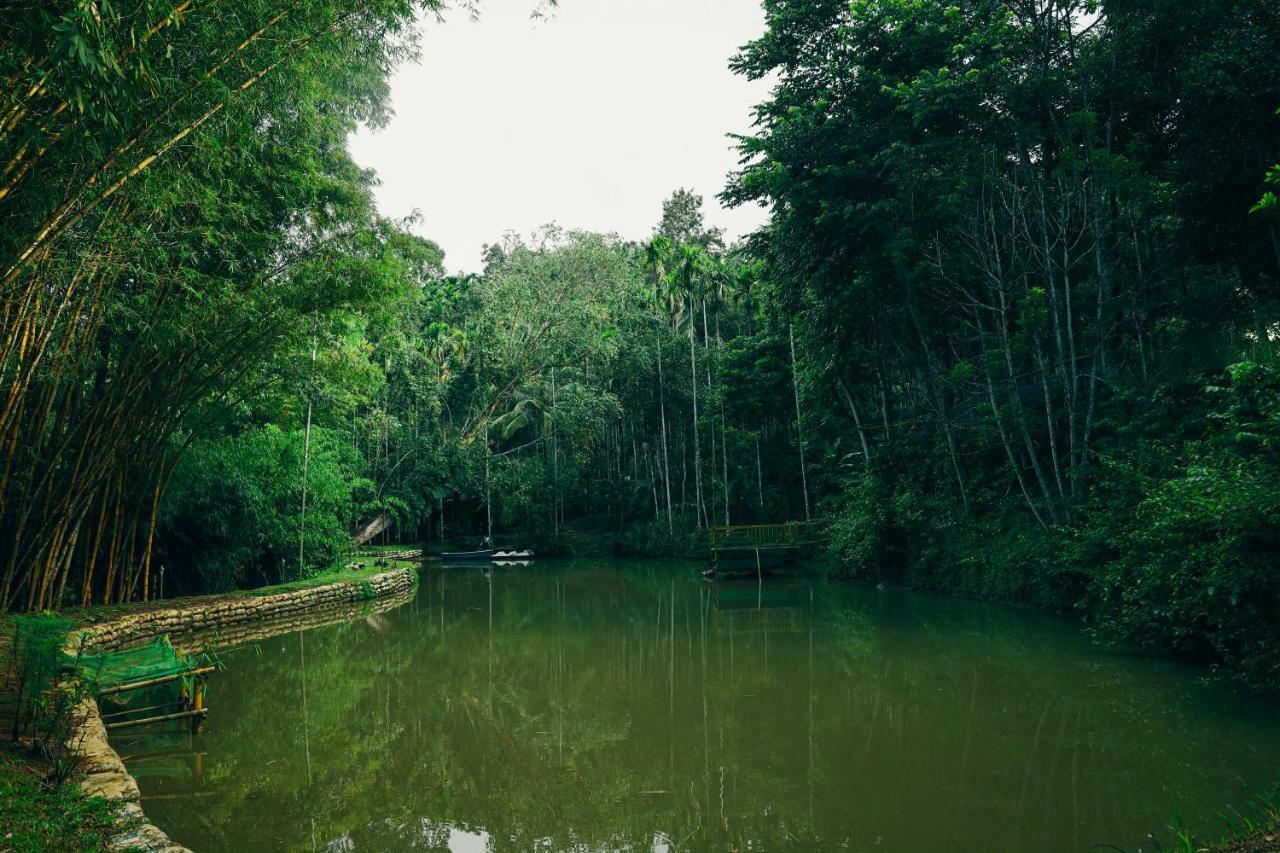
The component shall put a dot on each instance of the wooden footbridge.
(759, 549)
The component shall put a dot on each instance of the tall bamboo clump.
(142, 274)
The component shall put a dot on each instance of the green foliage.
(182, 227)
(337, 575)
(1009, 245)
(1270, 201)
(865, 532)
(1252, 830)
(39, 817)
(234, 508)
(1193, 570)
(34, 659)
(1011, 248)
(653, 538)
(46, 699)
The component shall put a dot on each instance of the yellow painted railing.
(764, 535)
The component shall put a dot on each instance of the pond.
(608, 705)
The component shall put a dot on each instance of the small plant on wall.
(46, 706)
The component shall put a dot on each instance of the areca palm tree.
(661, 257)
(657, 256)
(692, 267)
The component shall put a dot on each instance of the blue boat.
(467, 555)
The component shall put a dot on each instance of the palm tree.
(657, 256)
(692, 268)
(742, 281)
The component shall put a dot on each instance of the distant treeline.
(1010, 330)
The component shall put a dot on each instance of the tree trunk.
(795, 387)
(857, 422)
(306, 461)
(700, 509)
(724, 427)
(759, 477)
(1008, 447)
(662, 414)
(380, 523)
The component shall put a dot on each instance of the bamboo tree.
(306, 461)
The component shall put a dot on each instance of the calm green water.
(627, 706)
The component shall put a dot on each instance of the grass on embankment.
(97, 613)
(1255, 831)
(1264, 841)
(363, 550)
(334, 576)
(36, 817)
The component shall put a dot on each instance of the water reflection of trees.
(609, 708)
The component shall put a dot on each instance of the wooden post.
(197, 705)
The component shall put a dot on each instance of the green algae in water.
(628, 706)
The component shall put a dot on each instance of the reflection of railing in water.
(767, 620)
(748, 607)
(751, 595)
(791, 534)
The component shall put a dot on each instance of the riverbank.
(74, 816)
(36, 817)
(1263, 841)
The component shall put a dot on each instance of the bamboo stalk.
(179, 704)
(150, 682)
(179, 715)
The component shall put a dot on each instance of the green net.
(156, 659)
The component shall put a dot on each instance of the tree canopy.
(1009, 331)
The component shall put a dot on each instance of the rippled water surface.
(629, 706)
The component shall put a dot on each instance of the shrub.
(46, 707)
(1193, 570)
(233, 513)
(34, 661)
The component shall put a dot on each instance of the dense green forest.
(1009, 332)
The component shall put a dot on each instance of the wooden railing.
(764, 535)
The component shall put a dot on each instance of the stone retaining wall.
(242, 633)
(219, 621)
(221, 613)
(414, 554)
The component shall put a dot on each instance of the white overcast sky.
(588, 119)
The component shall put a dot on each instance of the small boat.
(448, 556)
(512, 555)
